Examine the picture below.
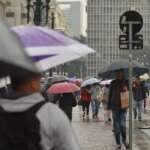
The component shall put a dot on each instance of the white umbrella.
(49, 48)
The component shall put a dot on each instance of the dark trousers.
(119, 118)
(144, 103)
(85, 107)
(67, 111)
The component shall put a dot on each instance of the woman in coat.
(86, 99)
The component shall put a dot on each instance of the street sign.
(131, 19)
(137, 42)
(131, 23)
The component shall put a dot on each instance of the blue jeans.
(138, 106)
(119, 118)
(95, 107)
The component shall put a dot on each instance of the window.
(10, 14)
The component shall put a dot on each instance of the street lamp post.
(38, 7)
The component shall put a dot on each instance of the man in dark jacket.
(66, 102)
(119, 115)
(139, 95)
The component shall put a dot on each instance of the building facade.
(2, 9)
(15, 13)
(72, 11)
(57, 18)
(103, 30)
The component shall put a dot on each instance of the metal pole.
(38, 12)
(28, 10)
(130, 85)
(53, 20)
(53, 27)
(47, 10)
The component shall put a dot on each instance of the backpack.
(20, 130)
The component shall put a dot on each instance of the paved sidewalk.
(94, 135)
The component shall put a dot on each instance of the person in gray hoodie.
(55, 132)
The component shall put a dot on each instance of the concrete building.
(103, 30)
(84, 18)
(2, 9)
(73, 13)
(15, 13)
(60, 21)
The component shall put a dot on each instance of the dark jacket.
(116, 88)
(139, 92)
(66, 102)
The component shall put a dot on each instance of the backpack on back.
(20, 130)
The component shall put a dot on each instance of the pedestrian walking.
(96, 97)
(29, 122)
(139, 96)
(107, 113)
(147, 95)
(118, 86)
(86, 99)
(66, 102)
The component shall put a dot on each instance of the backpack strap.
(36, 107)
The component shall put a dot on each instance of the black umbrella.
(13, 59)
(109, 71)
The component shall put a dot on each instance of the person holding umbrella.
(96, 97)
(139, 96)
(27, 121)
(65, 96)
(66, 102)
(118, 86)
(86, 99)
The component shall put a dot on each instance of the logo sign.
(133, 20)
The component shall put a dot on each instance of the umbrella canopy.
(49, 48)
(90, 82)
(64, 87)
(109, 71)
(78, 82)
(105, 82)
(13, 59)
(57, 79)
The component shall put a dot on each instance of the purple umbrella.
(49, 48)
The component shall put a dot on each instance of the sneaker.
(140, 118)
(87, 118)
(145, 111)
(118, 147)
(126, 145)
(83, 116)
(93, 116)
(97, 119)
(109, 120)
(135, 115)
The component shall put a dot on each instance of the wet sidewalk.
(94, 135)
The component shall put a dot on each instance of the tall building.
(73, 13)
(103, 30)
